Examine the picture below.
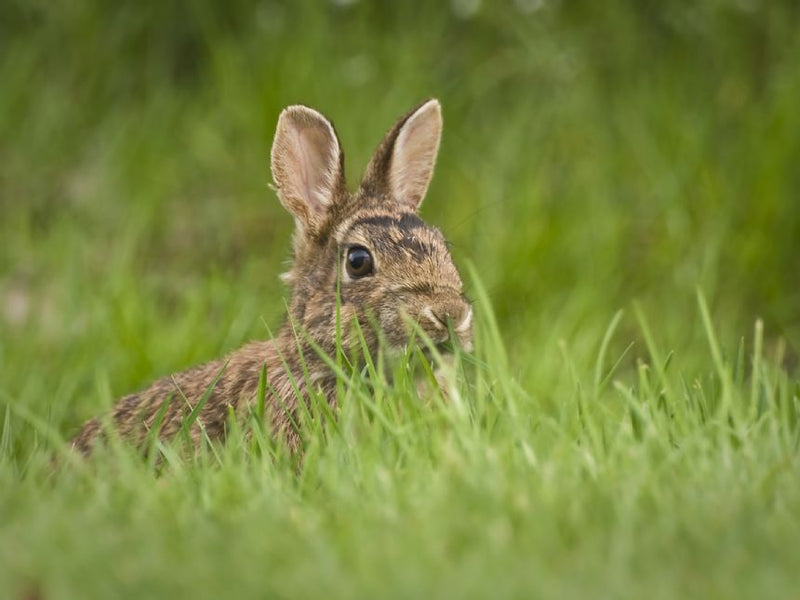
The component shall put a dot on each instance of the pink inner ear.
(305, 163)
(414, 154)
(316, 167)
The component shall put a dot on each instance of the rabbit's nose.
(456, 314)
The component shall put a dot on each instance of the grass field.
(620, 183)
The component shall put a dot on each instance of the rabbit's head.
(387, 266)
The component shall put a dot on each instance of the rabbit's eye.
(359, 262)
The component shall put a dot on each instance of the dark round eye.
(359, 262)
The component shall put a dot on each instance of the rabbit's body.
(237, 381)
(366, 256)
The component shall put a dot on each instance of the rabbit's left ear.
(402, 166)
(307, 166)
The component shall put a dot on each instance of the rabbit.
(366, 255)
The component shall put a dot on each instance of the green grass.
(620, 185)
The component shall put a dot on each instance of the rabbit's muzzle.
(448, 322)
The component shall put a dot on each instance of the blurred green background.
(593, 154)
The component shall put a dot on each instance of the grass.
(620, 187)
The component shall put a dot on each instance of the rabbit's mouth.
(446, 347)
(441, 349)
(432, 351)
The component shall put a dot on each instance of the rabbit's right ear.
(307, 166)
(402, 166)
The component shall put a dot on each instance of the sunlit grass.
(667, 479)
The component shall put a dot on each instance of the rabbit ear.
(402, 166)
(307, 165)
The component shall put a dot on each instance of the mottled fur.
(414, 276)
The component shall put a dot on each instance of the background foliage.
(594, 154)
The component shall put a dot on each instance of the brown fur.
(414, 276)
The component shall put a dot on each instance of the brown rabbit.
(369, 248)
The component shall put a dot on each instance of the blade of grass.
(189, 421)
(716, 355)
(601, 355)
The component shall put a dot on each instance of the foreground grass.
(663, 482)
